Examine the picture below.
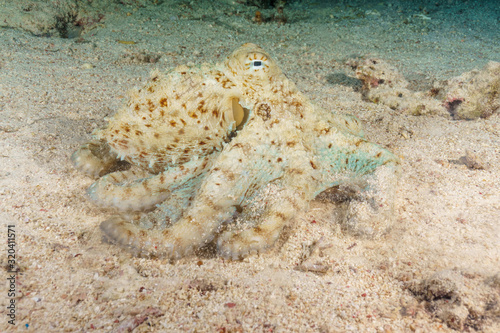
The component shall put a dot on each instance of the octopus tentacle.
(371, 213)
(237, 244)
(138, 190)
(193, 230)
(223, 189)
(95, 158)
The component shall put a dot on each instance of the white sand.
(447, 215)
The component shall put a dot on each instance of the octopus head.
(253, 66)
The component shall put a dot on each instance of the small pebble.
(87, 66)
(473, 161)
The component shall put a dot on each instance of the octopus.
(198, 148)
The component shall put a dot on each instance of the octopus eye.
(257, 64)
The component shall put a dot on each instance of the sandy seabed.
(436, 271)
